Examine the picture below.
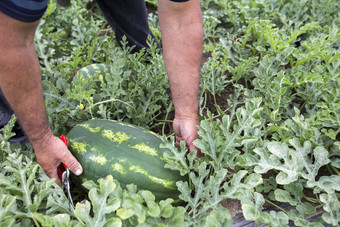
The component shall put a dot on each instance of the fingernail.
(78, 172)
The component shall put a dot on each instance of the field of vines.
(269, 110)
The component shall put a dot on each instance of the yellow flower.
(80, 106)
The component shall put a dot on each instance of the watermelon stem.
(110, 100)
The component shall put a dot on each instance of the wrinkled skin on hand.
(50, 152)
(185, 128)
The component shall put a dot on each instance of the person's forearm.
(20, 80)
(182, 38)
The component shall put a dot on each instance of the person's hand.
(185, 128)
(50, 152)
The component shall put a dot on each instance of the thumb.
(71, 162)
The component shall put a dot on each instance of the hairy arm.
(182, 38)
(20, 81)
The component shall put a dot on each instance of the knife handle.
(62, 167)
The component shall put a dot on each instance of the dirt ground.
(233, 205)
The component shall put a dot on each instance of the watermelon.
(92, 76)
(131, 154)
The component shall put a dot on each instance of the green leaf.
(331, 207)
(166, 208)
(267, 185)
(82, 211)
(176, 160)
(58, 220)
(6, 133)
(8, 209)
(113, 222)
(253, 180)
(336, 163)
(32, 188)
(149, 198)
(292, 163)
(103, 203)
(198, 185)
(252, 210)
(216, 218)
(301, 219)
(57, 202)
(125, 213)
(329, 184)
(284, 196)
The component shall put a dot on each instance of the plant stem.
(329, 169)
(335, 170)
(278, 207)
(35, 222)
(321, 205)
(166, 117)
(109, 100)
(311, 200)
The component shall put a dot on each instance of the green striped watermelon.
(129, 153)
(94, 75)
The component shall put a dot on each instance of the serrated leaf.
(296, 162)
(166, 208)
(252, 210)
(292, 194)
(253, 180)
(329, 184)
(125, 213)
(197, 181)
(7, 208)
(102, 201)
(176, 159)
(89, 185)
(267, 186)
(219, 218)
(82, 211)
(284, 196)
(113, 222)
(274, 218)
(58, 220)
(305, 209)
(234, 188)
(331, 207)
(58, 202)
(153, 208)
(336, 163)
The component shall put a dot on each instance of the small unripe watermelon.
(131, 154)
(92, 76)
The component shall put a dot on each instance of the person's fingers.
(51, 153)
(53, 174)
(49, 165)
(186, 130)
(72, 163)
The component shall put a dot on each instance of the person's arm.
(182, 39)
(20, 81)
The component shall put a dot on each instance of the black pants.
(129, 18)
(5, 110)
(5, 115)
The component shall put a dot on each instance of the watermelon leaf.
(102, 203)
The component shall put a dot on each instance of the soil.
(233, 205)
